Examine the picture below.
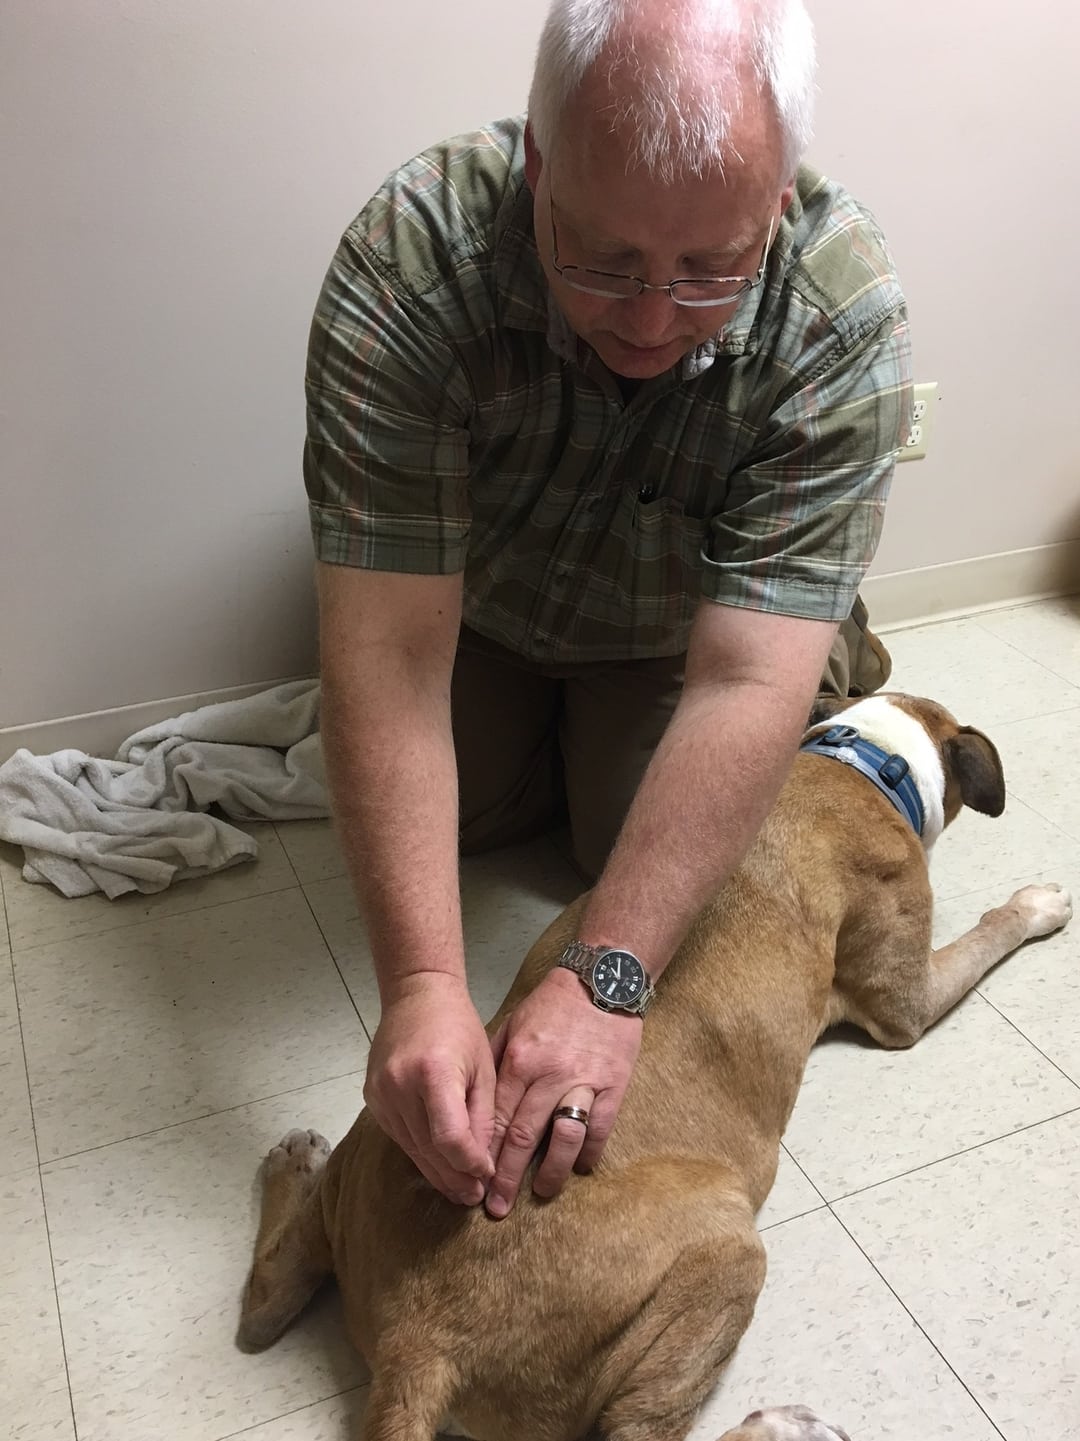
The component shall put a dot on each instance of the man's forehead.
(599, 144)
(636, 212)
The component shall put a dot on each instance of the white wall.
(175, 179)
(956, 123)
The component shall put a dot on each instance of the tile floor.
(923, 1235)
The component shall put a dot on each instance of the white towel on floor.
(139, 822)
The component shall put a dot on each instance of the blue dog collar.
(890, 774)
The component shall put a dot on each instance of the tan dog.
(618, 1303)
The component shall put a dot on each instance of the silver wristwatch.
(616, 979)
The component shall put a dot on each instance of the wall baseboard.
(100, 733)
(962, 587)
(895, 601)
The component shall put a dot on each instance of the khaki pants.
(538, 744)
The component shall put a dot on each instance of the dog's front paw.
(1044, 908)
(786, 1423)
(297, 1154)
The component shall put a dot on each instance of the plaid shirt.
(455, 423)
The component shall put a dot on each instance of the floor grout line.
(1024, 1036)
(56, 1303)
(798, 1216)
(202, 1116)
(156, 919)
(963, 1150)
(916, 1322)
(44, 1203)
(296, 1411)
(337, 964)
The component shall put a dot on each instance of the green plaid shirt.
(455, 423)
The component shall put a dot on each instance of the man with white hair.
(603, 411)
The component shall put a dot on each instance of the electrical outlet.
(922, 418)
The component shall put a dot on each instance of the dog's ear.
(825, 707)
(973, 760)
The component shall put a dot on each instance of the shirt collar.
(526, 301)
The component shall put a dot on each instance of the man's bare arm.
(387, 654)
(750, 681)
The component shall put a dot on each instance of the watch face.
(618, 977)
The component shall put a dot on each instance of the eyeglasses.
(611, 285)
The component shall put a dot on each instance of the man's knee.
(858, 663)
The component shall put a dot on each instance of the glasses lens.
(595, 282)
(708, 292)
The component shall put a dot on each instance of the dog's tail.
(411, 1394)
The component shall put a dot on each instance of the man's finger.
(455, 1185)
(498, 1043)
(435, 1174)
(568, 1135)
(519, 1145)
(601, 1123)
(509, 1093)
(449, 1128)
(481, 1106)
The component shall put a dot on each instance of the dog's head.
(953, 765)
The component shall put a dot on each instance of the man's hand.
(431, 1083)
(556, 1049)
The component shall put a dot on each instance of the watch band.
(580, 957)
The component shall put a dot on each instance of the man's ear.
(534, 162)
(973, 759)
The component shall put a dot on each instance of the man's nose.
(650, 316)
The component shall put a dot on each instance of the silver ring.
(572, 1113)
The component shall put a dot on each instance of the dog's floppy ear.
(973, 760)
(825, 707)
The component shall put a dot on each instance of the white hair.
(680, 98)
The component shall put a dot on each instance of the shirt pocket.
(655, 564)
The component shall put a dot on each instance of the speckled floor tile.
(336, 1420)
(982, 679)
(507, 897)
(154, 1024)
(984, 1250)
(38, 914)
(313, 849)
(1039, 758)
(5, 945)
(865, 1114)
(792, 1195)
(1038, 988)
(152, 1241)
(1047, 633)
(829, 1334)
(35, 1405)
(20, 1150)
(978, 851)
(152, 1012)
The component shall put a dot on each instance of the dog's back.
(619, 1301)
(537, 1306)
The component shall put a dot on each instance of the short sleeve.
(803, 514)
(387, 451)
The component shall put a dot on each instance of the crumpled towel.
(139, 822)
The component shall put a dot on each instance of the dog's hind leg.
(409, 1396)
(679, 1343)
(292, 1254)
